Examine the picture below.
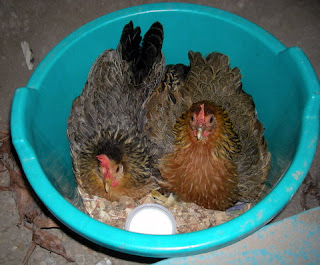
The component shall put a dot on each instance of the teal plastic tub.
(282, 81)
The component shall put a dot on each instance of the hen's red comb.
(104, 160)
(201, 115)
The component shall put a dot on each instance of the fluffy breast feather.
(203, 171)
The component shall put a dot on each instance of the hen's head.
(202, 119)
(110, 171)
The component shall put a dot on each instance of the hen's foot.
(168, 199)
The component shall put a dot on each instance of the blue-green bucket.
(280, 79)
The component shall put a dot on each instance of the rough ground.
(43, 24)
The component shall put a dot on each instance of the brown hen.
(214, 154)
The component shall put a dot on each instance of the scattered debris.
(29, 208)
(105, 261)
(28, 54)
(309, 186)
(189, 217)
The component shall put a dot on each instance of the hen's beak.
(107, 184)
(199, 133)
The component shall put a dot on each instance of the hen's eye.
(191, 118)
(211, 120)
(119, 169)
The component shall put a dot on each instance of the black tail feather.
(150, 50)
(143, 56)
(130, 42)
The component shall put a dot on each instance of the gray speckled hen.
(111, 156)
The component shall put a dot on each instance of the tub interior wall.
(260, 67)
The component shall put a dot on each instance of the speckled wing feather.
(163, 109)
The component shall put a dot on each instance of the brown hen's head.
(110, 171)
(202, 119)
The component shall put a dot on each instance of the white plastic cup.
(151, 219)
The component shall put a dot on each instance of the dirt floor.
(43, 24)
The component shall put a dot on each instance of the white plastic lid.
(151, 219)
